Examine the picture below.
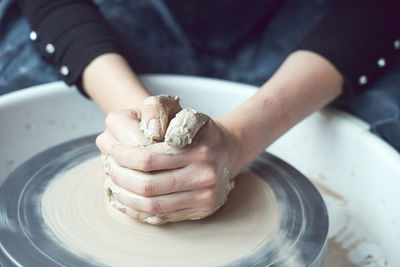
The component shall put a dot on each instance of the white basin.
(357, 173)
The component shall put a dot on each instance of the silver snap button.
(396, 44)
(64, 70)
(381, 62)
(50, 48)
(363, 80)
(33, 36)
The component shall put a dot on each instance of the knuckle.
(120, 156)
(153, 207)
(146, 188)
(115, 177)
(209, 194)
(146, 162)
(173, 180)
(208, 198)
(210, 176)
(133, 214)
(100, 141)
(205, 152)
(110, 119)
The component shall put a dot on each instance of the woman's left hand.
(159, 188)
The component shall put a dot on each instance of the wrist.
(238, 153)
(232, 146)
(256, 124)
(111, 83)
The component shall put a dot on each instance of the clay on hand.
(182, 127)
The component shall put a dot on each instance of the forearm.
(304, 83)
(111, 83)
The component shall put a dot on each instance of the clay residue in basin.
(336, 256)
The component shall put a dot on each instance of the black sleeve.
(69, 34)
(361, 38)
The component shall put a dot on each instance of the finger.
(158, 219)
(137, 215)
(141, 159)
(166, 203)
(183, 128)
(186, 214)
(161, 183)
(156, 113)
(112, 190)
(124, 126)
(105, 141)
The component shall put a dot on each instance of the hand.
(159, 188)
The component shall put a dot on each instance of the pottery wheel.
(26, 240)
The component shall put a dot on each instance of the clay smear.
(74, 208)
(337, 256)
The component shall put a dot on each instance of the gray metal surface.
(25, 239)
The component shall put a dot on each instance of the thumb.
(156, 113)
(184, 127)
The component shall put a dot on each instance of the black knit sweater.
(360, 37)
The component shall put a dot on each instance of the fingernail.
(134, 114)
(153, 125)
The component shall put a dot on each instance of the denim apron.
(242, 41)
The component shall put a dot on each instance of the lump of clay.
(165, 108)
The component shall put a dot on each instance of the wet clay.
(75, 211)
(180, 133)
(337, 256)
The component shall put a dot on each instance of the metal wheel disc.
(24, 240)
